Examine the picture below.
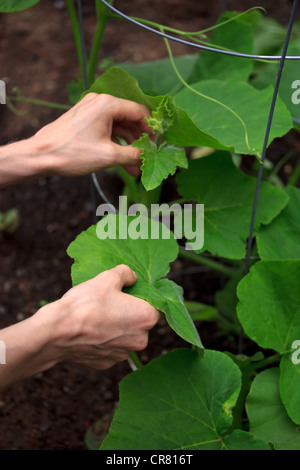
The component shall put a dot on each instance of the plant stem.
(34, 101)
(198, 259)
(76, 31)
(134, 357)
(151, 197)
(295, 176)
(238, 410)
(282, 162)
(102, 17)
(264, 362)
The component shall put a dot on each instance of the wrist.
(23, 161)
(29, 348)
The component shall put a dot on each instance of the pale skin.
(94, 324)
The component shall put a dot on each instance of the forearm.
(28, 348)
(23, 161)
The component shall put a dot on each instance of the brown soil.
(53, 410)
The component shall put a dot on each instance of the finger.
(133, 171)
(126, 155)
(126, 110)
(123, 133)
(142, 316)
(122, 276)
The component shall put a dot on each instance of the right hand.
(98, 324)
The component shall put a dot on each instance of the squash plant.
(193, 398)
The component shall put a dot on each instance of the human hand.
(97, 324)
(94, 324)
(84, 139)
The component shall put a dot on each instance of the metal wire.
(192, 44)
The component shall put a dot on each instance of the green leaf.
(163, 117)
(280, 239)
(8, 6)
(235, 113)
(289, 95)
(269, 307)
(158, 162)
(235, 36)
(242, 440)
(183, 132)
(200, 311)
(268, 418)
(157, 77)
(226, 299)
(228, 196)
(269, 36)
(149, 257)
(290, 386)
(180, 401)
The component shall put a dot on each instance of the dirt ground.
(53, 410)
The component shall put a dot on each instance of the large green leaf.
(234, 113)
(7, 6)
(147, 256)
(290, 386)
(268, 418)
(227, 195)
(157, 77)
(269, 307)
(159, 160)
(236, 36)
(242, 440)
(280, 239)
(178, 401)
(288, 92)
(119, 83)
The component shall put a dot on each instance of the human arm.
(81, 141)
(94, 324)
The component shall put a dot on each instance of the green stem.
(76, 31)
(102, 17)
(264, 362)
(191, 33)
(33, 101)
(282, 162)
(295, 176)
(134, 357)
(151, 197)
(203, 261)
(238, 411)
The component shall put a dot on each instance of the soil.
(54, 410)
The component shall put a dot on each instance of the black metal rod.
(264, 151)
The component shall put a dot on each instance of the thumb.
(122, 276)
(127, 155)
